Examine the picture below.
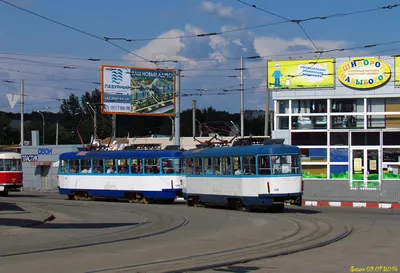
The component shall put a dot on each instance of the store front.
(344, 114)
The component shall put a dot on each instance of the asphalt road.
(88, 236)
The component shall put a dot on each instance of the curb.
(351, 204)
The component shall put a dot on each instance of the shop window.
(347, 122)
(282, 123)
(283, 106)
(314, 155)
(391, 138)
(347, 105)
(309, 122)
(339, 138)
(339, 172)
(339, 155)
(391, 171)
(376, 121)
(365, 138)
(309, 138)
(376, 105)
(314, 171)
(391, 155)
(309, 106)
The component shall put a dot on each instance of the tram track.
(101, 239)
(308, 234)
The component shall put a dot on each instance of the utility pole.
(22, 113)
(57, 133)
(177, 123)
(266, 122)
(241, 99)
(194, 117)
(114, 126)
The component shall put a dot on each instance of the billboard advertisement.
(301, 74)
(364, 73)
(397, 71)
(137, 91)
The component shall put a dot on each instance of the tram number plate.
(110, 185)
(1, 188)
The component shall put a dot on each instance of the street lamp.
(43, 124)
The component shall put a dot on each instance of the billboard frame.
(102, 111)
(317, 60)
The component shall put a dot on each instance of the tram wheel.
(70, 197)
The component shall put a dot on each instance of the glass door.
(365, 168)
(357, 173)
(372, 171)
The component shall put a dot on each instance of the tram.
(141, 176)
(10, 172)
(248, 175)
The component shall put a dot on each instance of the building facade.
(343, 113)
(40, 163)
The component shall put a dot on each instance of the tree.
(71, 107)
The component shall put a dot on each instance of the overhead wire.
(76, 29)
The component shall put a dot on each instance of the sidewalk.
(350, 204)
(14, 215)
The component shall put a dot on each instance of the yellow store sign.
(364, 73)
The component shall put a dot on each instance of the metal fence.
(328, 190)
(314, 190)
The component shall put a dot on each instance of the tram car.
(11, 175)
(250, 174)
(136, 175)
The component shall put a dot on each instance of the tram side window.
(226, 166)
(284, 164)
(11, 165)
(167, 166)
(136, 166)
(189, 166)
(296, 164)
(152, 165)
(264, 165)
(110, 166)
(237, 169)
(178, 164)
(249, 165)
(98, 166)
(207, 166)
(1, 165)
(123, 166)
(198, 166)
(216, 165)
(73, 165)
(63, 168)
(86, 166)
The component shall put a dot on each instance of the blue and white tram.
(137, 175)
(243, 177)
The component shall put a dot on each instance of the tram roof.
(122, 154)
(242, 151)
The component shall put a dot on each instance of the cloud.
(213, 74)
(218, 9)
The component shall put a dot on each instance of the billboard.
(137, 91)
(301, 74)
(364, 73)
(397, 71)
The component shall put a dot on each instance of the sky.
(54, 60)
